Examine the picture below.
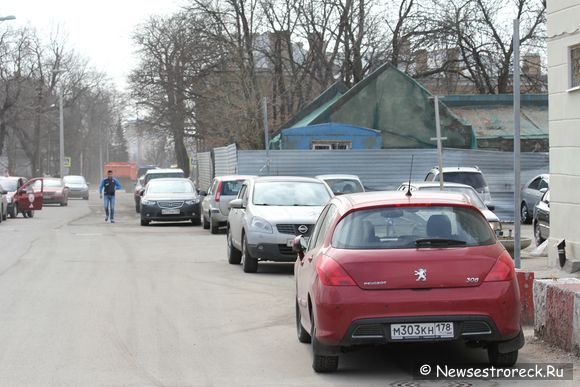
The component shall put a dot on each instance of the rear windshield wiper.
(428, 242)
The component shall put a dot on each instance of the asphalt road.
(84, 302)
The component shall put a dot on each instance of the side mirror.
(299, 246)
(202, 193)
(237, 203)
(543, 190)
(491, 207)
(142, 192)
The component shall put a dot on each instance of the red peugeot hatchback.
(385, 267)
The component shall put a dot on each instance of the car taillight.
(331, 273)
(502, 270)
(218, 192)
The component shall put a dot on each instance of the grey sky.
(98, 29)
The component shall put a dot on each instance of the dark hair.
(109, 171)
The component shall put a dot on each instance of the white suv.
(268, 214)
(463, 175)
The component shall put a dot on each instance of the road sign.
(67, 162)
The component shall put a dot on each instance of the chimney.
(532, 65)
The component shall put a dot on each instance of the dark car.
(386, 268)
(11, 184)
(55, 191)
(170, 200)
(77, 187)
(137, 193)
(541, 220)
(532, 192)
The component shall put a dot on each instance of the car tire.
(249, 263)
(303, 335)
(197, 220)
(5, 215)
(205, 223)
(234, 255)
(213, 227)
(137, 208)
(13, 213)
(525, 217)
(145, 222)
(85, 198)
(30, 213)
(537, 234)
(498, 359)
(321, 363)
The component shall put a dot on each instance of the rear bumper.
(53, 200)
(78, 194)
(489, 312)
(217, 216)
(272, 252)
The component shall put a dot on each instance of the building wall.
(563, 32)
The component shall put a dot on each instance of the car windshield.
(9, 184)
(412, 227)
(232, 187)
(344, 186)
(474, 179)
(179, 186)
(48, 183)
(470, 192)
(290, 193)
(74, 180)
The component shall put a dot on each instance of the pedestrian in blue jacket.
(109, 185)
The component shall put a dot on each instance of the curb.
(557, 312)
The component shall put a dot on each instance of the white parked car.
(215, 206)
(268, 214)
(470, 192)
(471, 176)
(343, 184)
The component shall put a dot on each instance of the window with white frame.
(575, 66)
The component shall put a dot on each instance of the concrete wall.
(563, 32)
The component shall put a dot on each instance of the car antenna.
(408, 193)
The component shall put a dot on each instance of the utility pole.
(266, 134)
(439, 140)
(517, 166)
(61, 133)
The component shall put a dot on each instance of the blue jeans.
(110, 206)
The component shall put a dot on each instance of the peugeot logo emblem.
(421, 274)
(303, 229)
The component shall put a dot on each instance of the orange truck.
(125, 172)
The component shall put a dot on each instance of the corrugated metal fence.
(204, 170)
(388, 168)
(225, 160)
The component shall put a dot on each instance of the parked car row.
(19, 195)
(411, 265)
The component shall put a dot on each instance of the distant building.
(564, 89)
(492, 118)
(328, 136)
(402, 111)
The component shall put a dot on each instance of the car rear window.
(412, 227)
(9, 185)
(474, 179)
(232, 187)
(344, 186)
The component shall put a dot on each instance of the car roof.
(235, 177)
(157, 181)
(297, 179)
(460, 169)
(163, 170)
(393, 198)
(338, 176)
(423, 184)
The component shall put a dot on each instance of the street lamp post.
(61, 133)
